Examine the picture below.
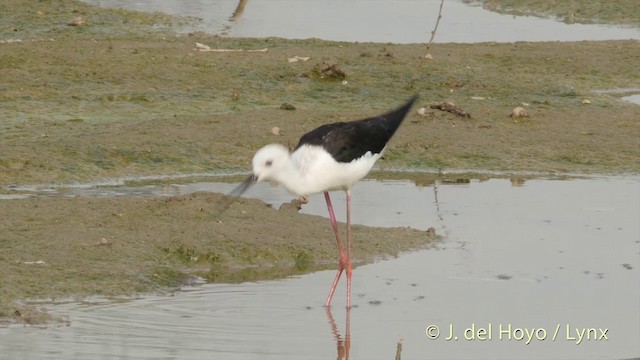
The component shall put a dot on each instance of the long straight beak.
(236, 193)
(246, 184)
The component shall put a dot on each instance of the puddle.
(633, 98)
(539, 254)
(405, 21)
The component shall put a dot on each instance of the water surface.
(397, 21)
(534, 254)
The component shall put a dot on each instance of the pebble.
(518, 112)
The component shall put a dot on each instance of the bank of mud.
(56, 248)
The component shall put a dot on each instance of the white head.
(271, 163)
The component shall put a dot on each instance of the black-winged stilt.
(331, 157)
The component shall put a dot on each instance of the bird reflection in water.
(343, 344)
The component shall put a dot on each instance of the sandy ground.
(110, 98)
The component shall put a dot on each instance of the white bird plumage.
(309, 169)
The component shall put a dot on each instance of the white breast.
(319, 172)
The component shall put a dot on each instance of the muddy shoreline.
(113, 98)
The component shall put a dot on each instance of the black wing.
(346, 141)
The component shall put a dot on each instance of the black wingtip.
(398, 115)
(408, 104)
(402, 111)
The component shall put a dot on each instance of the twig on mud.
(14, 41)
(452, 108)
(433, 33)
(203, 47)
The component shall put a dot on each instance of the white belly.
(319, 172)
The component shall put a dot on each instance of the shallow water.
(398, 21)
(536, 254)
(632, 97)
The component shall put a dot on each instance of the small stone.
(287, 106)
(586, 101)
(77, 21)
(292, 206)
(518, 112)
(275, 131)
(298, 58)
(202, 47)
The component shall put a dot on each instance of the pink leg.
(334, 224)
(349, 265)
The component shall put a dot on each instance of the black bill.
(236, 193)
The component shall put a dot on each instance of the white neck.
(291, 178)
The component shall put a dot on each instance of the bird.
(331, 157)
